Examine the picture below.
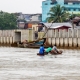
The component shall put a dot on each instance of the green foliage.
(58, 14)
(7, 21)
(74, 15)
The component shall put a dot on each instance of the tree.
(57, 14)
(72, 16)
(7, 21)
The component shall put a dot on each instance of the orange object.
(29, 25)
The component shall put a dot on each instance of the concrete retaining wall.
(12, 36)
(67, 38)
(70, 38)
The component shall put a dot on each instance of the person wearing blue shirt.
(41, 50)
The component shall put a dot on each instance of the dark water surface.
(24, 64)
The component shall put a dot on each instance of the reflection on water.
(24, 64)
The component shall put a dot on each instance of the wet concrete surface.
(24, 64)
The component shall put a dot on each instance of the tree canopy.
(7, 21)
(58, 14)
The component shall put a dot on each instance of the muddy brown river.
(24, 64)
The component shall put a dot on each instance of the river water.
(24, 64)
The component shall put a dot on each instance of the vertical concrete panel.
(25, 35)
(56, 33)
(53, 33)
(3, 33)
(30, 35)
(13, 39)
(13, 36)
(4, 40)
(75, 33)
(45, 34)
(50, 33)
(69, 33)
(1, 40)
(57, 41)
(78, 33)
(49, 41)
(61, 42)
(11, 31)
(22, 35)
(33, 35)
(8, 33)
(78, 42)
(40, 35)
(7, 40)
(66, 42)
(10, 40)
(0, 35)
(60, 33)
(75, 42)
(70, 42)
(53, 41)
(4, 36)
(65, 33)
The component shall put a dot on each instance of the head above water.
(41, 44)
(54, 44)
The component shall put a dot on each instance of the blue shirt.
(41, 50)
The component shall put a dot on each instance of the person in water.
(54, 50)
(41, 50)
(48, 50)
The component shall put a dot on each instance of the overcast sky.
(24, 6)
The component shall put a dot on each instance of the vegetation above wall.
(7, 21)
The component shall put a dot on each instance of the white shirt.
(54, 48)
